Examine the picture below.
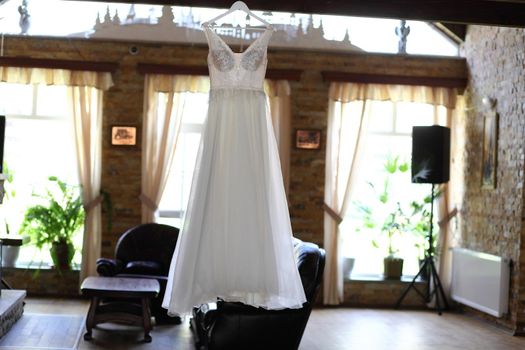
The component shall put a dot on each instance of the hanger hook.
(239, 5)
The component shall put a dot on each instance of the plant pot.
(10, 255)
(393, 268)
(62, 255)
(348, 266)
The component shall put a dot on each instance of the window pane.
(176, 194)
(16, 99)
(410, 114)
(35, 148)
(382, 144)
(382, 117)
(52, 101)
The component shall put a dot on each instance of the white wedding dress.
(236, 243)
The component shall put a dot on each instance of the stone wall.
(493, 219)
(123, 105)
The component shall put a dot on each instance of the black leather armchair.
(144, 251)
(227, 325)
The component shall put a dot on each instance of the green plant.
(8, 214)
(420, 223)
(387, 215)
(392, 218)
(57, 219)
(9, 193)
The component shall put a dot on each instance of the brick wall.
(43, 281)
(493, 219)
(123, 105)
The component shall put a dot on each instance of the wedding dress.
(236, 242)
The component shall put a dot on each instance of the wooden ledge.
(29, 62)
(459, 83)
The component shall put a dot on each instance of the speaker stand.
(434, 287)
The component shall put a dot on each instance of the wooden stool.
(121, 308)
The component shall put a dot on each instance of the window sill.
(34, 266)
(381, 279)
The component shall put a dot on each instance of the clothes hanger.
(237, 6)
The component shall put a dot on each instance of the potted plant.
(388, 219)
(55, 221)
(348, 266)
(394, 225)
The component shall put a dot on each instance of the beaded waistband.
(236, 88)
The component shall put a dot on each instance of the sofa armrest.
(143, 268)
(108, 267)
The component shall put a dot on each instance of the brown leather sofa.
(145, 251)
(227, 325)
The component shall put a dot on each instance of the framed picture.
(490, 150)
(123, 135)
(308, 139)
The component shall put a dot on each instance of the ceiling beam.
(454, 31)
(487, 12)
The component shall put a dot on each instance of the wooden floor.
(328, 329)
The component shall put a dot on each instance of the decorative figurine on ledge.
(25, 21)
(402, 33)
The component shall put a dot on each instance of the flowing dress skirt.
(236, 243)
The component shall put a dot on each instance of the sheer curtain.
(450, 200)
(345, 140)
(86, 106)
(278, 92)
(159, 134)
(85, 92)
(348, 117)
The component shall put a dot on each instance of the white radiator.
(480, 281)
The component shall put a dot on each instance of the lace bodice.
(228, 69)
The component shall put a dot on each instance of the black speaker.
(430, 154)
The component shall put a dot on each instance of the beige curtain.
(85, 94)
(86, 108)
(346, 139)
(160, 132)
(278, 92)
(449, 203)
(48, 76)
(347, 92)
(348, 116)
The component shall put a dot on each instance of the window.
(172, 206)
(389, 136)
(174, 200)
(78, 19)
(38, 144)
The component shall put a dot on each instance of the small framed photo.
(308, 139)
(123, 135)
